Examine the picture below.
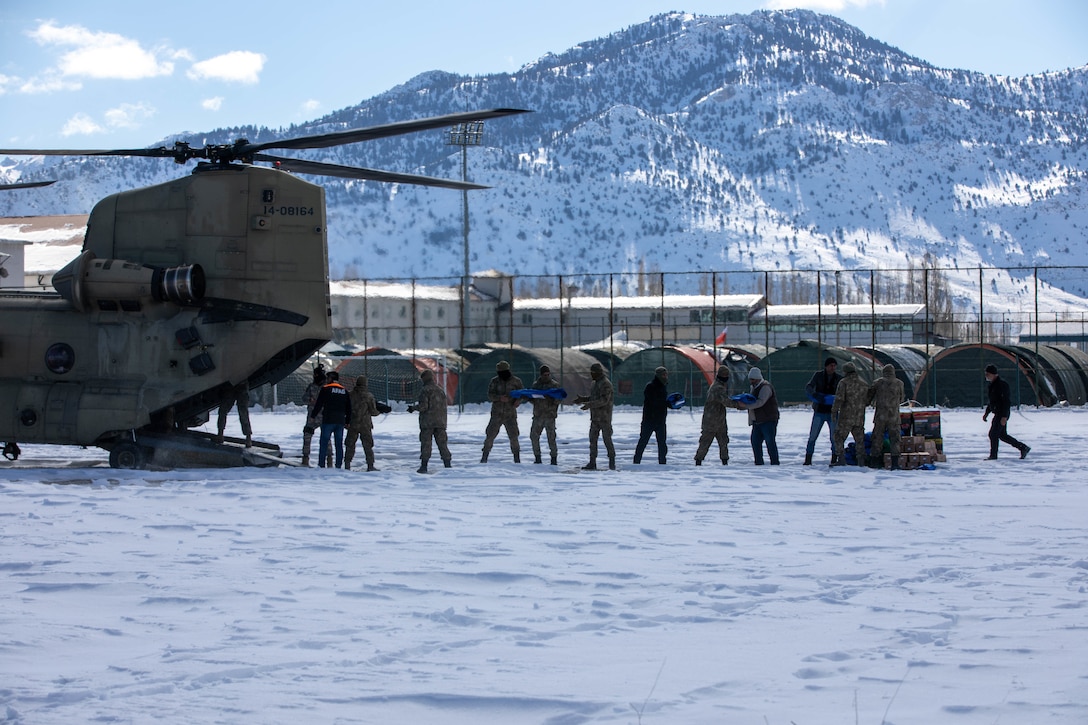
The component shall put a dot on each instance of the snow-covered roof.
(649, 302)
(395, 290)
(902, 310)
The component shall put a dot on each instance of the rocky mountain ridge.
(772, 141)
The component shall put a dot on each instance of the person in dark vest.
(763, 417)
(334, 406)
(1000, 406)
(655, 409)
(819, 389)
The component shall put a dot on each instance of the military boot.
(422, 468)
(808, 460)
(517, 457)
(555, 460)
(895, 463)
(536, 458)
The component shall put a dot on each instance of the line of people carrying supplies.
(838, 401)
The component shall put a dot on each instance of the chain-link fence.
(921, 305)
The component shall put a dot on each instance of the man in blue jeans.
(763, 417)
(334, 406)
(821, 391)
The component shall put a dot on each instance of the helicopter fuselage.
(183, 291)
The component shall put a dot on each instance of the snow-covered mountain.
(776, 140)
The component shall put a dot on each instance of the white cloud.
(821, 5)
(237, 66)
(212, 104)
(100, 55)
(81, 125)
(129, 115)
(50, 82)
(311, 106)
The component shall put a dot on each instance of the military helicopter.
(183, 291)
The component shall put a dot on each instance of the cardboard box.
(926, 422)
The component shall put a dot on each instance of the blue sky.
(120, 74)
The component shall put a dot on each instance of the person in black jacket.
(818, 390)
(1001, 407)
(655, 408)
(334, 406)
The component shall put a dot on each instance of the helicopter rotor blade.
(160, 152)
(27, 185)
(317, 168)
(374, 132)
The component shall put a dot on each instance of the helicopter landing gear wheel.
(128, 455)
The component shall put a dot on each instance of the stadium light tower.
(465, 135)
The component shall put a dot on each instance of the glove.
(412, 408)
(829, 400)
(383, 408)
(581, 399)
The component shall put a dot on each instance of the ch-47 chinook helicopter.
(182, 292)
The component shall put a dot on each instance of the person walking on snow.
(1001, 407)
(655, 409)
(714, 426)
(599, 405)
(819, 389)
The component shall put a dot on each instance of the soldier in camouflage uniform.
(309, 397)
(504, 410)
(432, 421)
(848, 412)
(599, 405)
(363, 409)
(714, 425)
(545, 411)
(886, 395)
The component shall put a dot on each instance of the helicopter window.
(60, 358)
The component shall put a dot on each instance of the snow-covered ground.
(506, 593)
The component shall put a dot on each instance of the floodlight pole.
(465, 135)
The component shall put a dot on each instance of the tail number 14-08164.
(284, 210)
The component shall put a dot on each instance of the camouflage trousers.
(494, 425)
(366, 437)
(437, 435)
(842, 430)
(541, 425)
(881, 425)
(709, 436)
(604, 430)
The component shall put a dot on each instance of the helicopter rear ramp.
(192, 449)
